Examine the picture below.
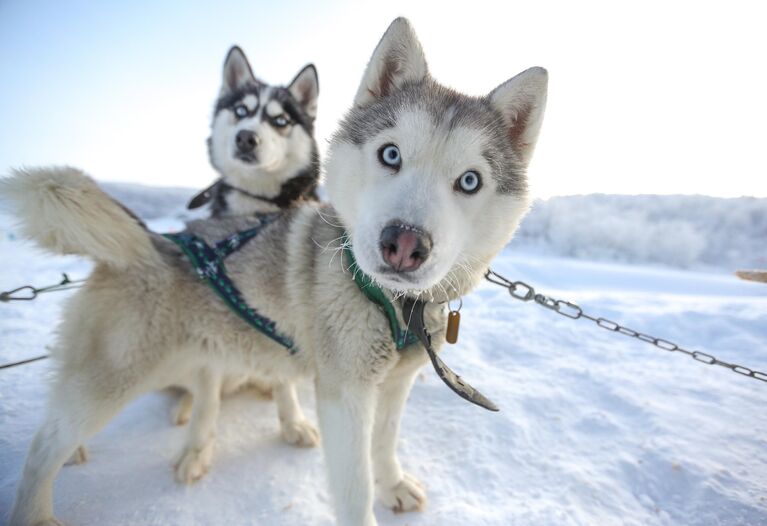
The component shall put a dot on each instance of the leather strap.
(203, 197)
(206, 196)
(416, 324)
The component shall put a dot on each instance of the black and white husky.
(262, 142)
(426, 186)
(262, 145)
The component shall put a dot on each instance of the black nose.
(404, 247)
(246, 141)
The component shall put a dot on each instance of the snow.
(594, 428)
(688, 231)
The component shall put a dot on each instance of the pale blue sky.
(650, 97)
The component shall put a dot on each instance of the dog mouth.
(394, 275)
(247, 158)
(398, 281)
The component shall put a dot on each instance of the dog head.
(430, 183)
(262, 135)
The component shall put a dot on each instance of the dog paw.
(180, 417)
(183, 410)
(80, 456)
(407, 495)
(53, 521)
(194, 464)
(300, 434)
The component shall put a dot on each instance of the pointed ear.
(237, 72)
(522, 101)
(305, 88)
(397, 59)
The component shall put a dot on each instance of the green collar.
(402, 338)
(418, 332)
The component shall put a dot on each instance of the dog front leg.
(198, 453)
(398, 490)
(346, 412)
(76, 411)
(294, 426)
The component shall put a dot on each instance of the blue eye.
(280, 121)
(468, 183)
(389, 156)
(241, 110)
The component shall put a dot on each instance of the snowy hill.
(594, 428)
(678, 231)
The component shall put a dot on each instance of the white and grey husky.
(427, 185)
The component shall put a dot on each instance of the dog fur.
(147, 339)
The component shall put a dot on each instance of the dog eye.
(241, 110)
(468, 183)
(280, 121)
(389, 156)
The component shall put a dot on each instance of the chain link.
(522, 291)
(29, 292)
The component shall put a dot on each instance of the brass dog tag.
(453, 324)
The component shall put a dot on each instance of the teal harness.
(208, 262)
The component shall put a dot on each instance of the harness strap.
(459, 386)
(233, 243)
(208, 262)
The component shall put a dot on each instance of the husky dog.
(427, 185)
(262, 141)
(262, 145)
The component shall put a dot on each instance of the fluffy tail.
(65, 211)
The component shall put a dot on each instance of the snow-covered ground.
(594, 428)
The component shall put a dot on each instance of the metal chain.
(23, 362)
(28, 292)
(522, 291)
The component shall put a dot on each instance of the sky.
(651, 97)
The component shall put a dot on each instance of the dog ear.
(237, 72)
(305, 87)
(397, 59)
(522, 101)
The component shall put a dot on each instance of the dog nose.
(404, 247)
(246, 141)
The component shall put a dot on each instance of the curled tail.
(65, 211)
